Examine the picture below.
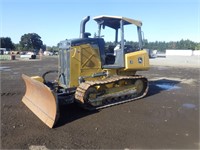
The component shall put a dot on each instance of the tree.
(197, 47)
(18, 47)
(31, 42)
(182, 44)
(7, 43)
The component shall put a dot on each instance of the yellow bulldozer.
(91, 73)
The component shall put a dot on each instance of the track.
(111, 91)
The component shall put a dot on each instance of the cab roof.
(114, 21)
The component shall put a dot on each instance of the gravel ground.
(167, 118)
(177, 61)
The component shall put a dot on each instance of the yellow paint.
(38, 78)
(137, 61)
(85, 61)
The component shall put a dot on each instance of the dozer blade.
(41, 101)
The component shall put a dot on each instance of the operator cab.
(114, 54)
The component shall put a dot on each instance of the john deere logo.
(140, 60)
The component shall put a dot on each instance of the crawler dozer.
(91, 73)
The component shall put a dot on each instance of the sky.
(57, 20)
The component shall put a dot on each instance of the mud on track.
(167, 118)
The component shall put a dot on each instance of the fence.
(172, 52)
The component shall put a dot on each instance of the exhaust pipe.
(82, 26)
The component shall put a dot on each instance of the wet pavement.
(167, 118)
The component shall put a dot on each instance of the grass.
(5, 57)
